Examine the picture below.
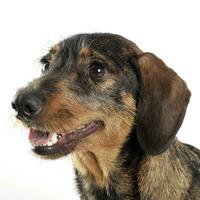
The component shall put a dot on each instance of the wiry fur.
(142, 102)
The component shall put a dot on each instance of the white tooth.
(83, 126)
(79, 128)
(49, 143)
(54, 138)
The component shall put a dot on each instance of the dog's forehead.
(109, 47)
(84, 44)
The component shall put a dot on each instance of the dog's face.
(94, 89)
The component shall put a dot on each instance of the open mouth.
(45, 143)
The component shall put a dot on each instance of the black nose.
(27, 106)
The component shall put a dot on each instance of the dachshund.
(117, 110)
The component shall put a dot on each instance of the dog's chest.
(89, 191)
(115, 191)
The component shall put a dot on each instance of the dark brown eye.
(96, 70)
(45, 66)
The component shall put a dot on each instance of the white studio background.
(170, 29)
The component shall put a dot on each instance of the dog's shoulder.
(191, 155)
(175, 173)
(192, 160)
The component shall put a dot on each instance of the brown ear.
(163, 100)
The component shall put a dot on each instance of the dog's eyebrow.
(85, 52)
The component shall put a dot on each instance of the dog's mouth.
(46, 143)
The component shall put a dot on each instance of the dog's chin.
(53, 145)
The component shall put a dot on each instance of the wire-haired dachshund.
(117, 110)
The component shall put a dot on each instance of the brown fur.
(95, 157)
(162, 177)
(141, 103)
(165, 97)
(85, 52)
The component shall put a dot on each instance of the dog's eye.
(96, 70)
(45, 66)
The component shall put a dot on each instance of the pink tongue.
(38, 138)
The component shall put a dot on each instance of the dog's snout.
(27, 106)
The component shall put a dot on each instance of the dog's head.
(96, 88)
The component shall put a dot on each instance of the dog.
(117, 110)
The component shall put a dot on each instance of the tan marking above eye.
(85, 52)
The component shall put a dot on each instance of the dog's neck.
(130, 174)
(109, 171)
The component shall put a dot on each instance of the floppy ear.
(163, 100)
